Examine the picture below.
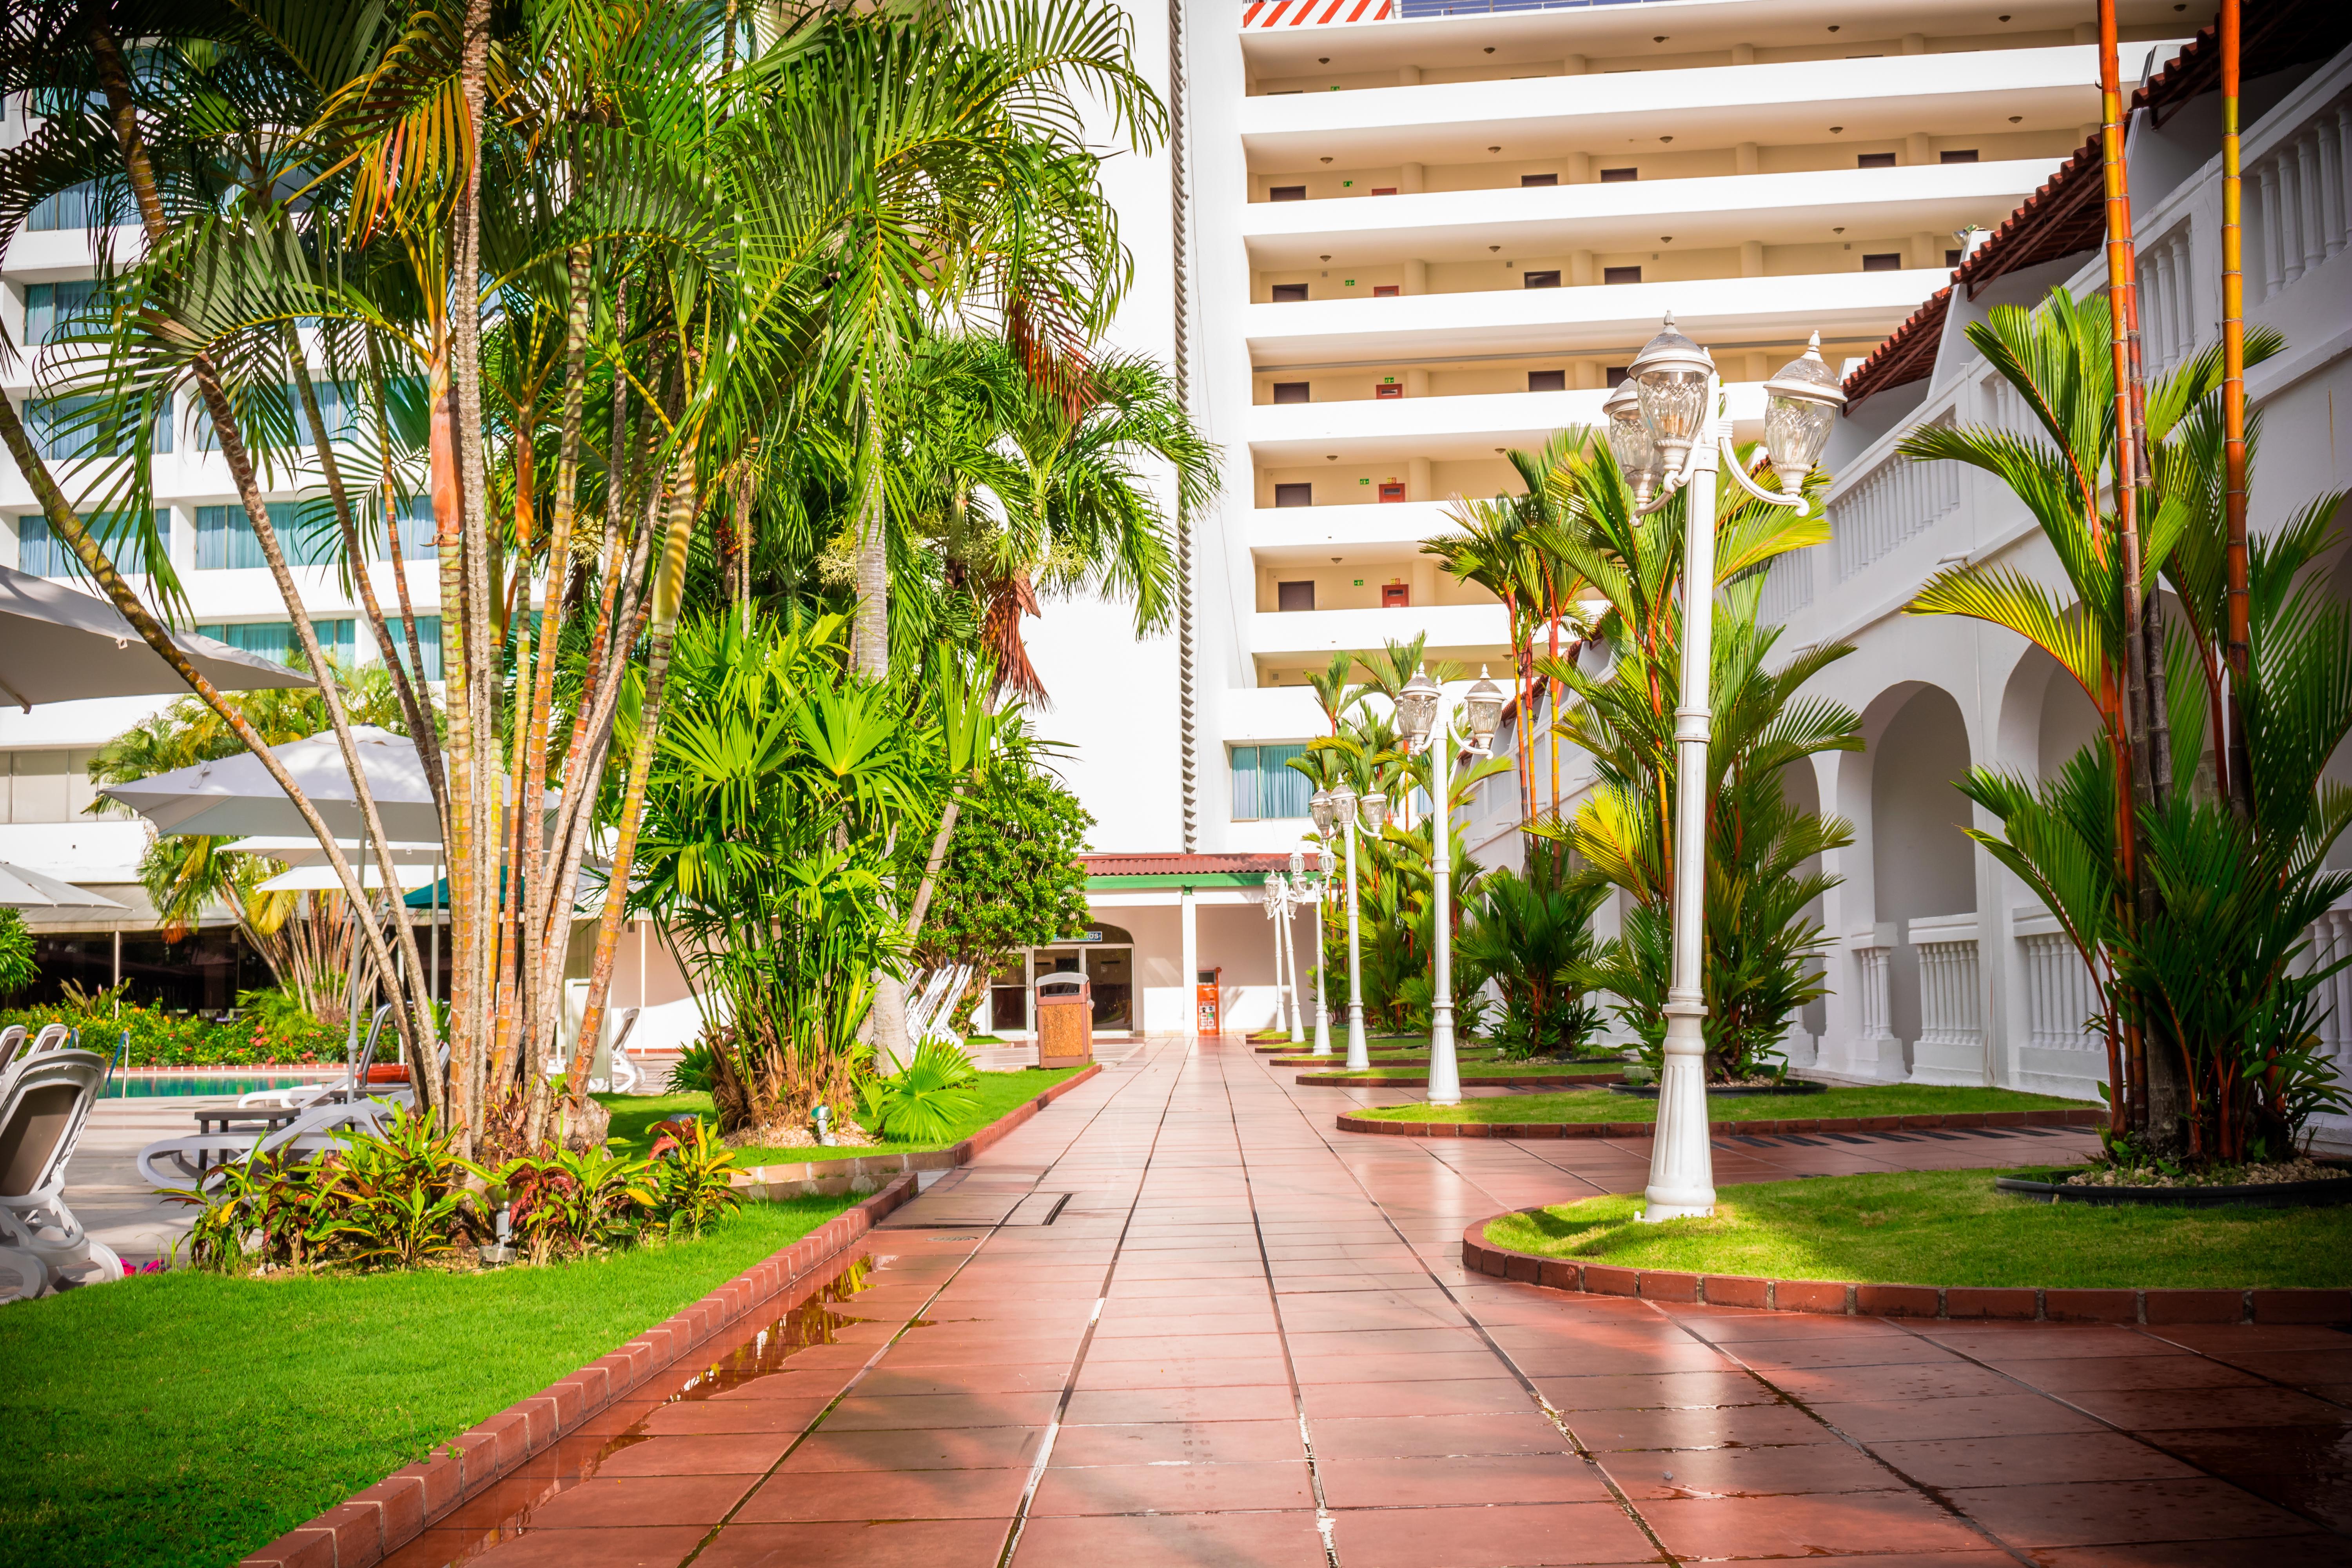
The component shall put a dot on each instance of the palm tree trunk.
(873, 628)
(114, 78)
(2239, 769)
(668, 592)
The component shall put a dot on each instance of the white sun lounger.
(44, 1104)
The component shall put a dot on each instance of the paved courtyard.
(1179, 1319)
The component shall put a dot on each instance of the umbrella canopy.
(322, 878)
(236, 798)
(305, 850)
(58, 645)
(23, 890)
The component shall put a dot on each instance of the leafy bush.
(692, 1073)
(17, 967)
(922, 1102)
(405, 1199)
(177, 1040)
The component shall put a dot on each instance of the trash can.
(1066, 1021)
(1208, 1001)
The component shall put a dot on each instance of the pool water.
(189, 1085)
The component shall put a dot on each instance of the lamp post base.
(1360, 1051)
(1682, 1161)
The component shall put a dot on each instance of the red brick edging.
(1850, 1299)
(832, 1178)
(372, 1524)
(2086, 1116)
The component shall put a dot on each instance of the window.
(1885, 261)
(1547, 380)
(41, 553)
(1391, 490)
(1294, 495)
(1396, 597)
(1953, 258)
(1620, 177)
(1290, 293)
(1873, 160)
(1291, 392)
(53, 311)
(1384, 189)
(1293, 597)
(1384, 390)
(66, 428)
(1386, 290)
(1621, 275)
(275, 639)
(415, 519)
(1539, 279)
(76, 206)
(1530, 182)
(428, 640)
(1266, 786)
(225, 540)
(1958, 156)
(1286, 194)
(1615, 375)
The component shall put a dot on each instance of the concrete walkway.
(1179, 1319)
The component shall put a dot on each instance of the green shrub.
(160, 1040)
(924, 1102)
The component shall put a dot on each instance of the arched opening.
(2069, 721)
(1922, 862)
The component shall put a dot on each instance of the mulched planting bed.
(1794, 1086)
(1825, 1245)
(2274, 1187)
(1597, 1113)
(1487, 1078)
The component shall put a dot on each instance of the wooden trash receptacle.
(1066, 1021)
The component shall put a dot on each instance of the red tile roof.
(2068, 213)
(1175, 864)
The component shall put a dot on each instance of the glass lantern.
(1482, 709)
(1629, 442)
(1802, 402)
(1416, 708)
(1343, 803)
(1670, 376)
(1376, 813)
(1326, 815)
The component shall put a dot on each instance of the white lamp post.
(1301, 889)
(1421, 714)
(1326, 813)
(1276, 898)
(1675, 388)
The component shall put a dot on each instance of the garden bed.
(185, 1040)
(1872, 1243)
(1377, 1043)
(2052, 1187)
(189, 1418)
(1792, 1086)
(1006, 1101)
(1597, 1113)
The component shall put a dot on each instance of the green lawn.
(1478, 1070)
(186, 1419)
(1599, 1105)
(999, 1092)
(1949, 1228)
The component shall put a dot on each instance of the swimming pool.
(141, 1086)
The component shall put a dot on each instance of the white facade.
(1945, 969)
(1767, 169)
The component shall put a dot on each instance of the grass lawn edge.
(403, 1504)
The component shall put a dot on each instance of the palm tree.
(2190, 917)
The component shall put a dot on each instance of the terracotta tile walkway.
(1245, 1338)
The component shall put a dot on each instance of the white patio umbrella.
(23, 890)
(58, 645)
(304, 850)
(235, 798)
(322, 878)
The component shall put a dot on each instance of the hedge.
(187, 1040)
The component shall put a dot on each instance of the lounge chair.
(352, 1084)
(44, 1104)
(196, 1161)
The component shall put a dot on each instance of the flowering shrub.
(173, 1040)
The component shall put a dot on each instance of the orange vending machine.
(1207, 1003)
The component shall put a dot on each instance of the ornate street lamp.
(1422, 718)
(1343, 816)
(1325, 811)
(1675, 382)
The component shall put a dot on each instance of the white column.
(1322, 998)
(1191, 950)
(1359, 1056)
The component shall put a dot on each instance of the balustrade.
(1950, 1049)
(2300, 201)
(1896, 501)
